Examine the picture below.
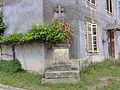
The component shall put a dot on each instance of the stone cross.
(60, 12)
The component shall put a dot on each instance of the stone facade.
(19, 15)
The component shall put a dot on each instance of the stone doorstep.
(64, 80)
(61, 74)
(6, 87)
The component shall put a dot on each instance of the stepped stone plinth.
(61, 70)
(61, 73)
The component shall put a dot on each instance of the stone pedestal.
(61, 54)
(61, 70)
(61, 73)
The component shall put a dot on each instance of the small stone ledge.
(61, 80)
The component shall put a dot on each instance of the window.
(119, 9)
(92, 38)
(91, 3)
(109, 7)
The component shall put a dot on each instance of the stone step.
(61, 62)
(61, 74)
(61, 80)
(60, 67)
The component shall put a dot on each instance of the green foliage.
(14, 38)
(10, 66)
(49, 34)
(2, 25)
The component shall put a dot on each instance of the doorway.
(111, 43)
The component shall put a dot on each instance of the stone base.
(60, 66)
(61, 72)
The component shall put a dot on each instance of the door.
(111, 44)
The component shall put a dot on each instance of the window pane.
(110, 5)
(94, 31)
(95, 47)
(88, 0)
(119, 9)
(95, 42)
(89, 27)
(94, 37)
(93, 1)
(89, 38)
(89, 42)
(90, 47)
(107, 2)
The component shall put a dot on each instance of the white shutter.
(89, 38)
(95, 38)
(92, 38)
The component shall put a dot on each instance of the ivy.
(49, 34)
(13, 39)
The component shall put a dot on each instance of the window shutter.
(92, 38)
(89, 38)
(95, 38)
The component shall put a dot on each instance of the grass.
(100, 76)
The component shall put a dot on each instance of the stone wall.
(31, 56)
(21, 14)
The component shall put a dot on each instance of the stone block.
(61, 80)
(60, 67)
(61, 54)
(61, 74)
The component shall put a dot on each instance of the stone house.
(95, 23)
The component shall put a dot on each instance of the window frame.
(91, 48)
(90, 3)
(119, 9)
(109, 7)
